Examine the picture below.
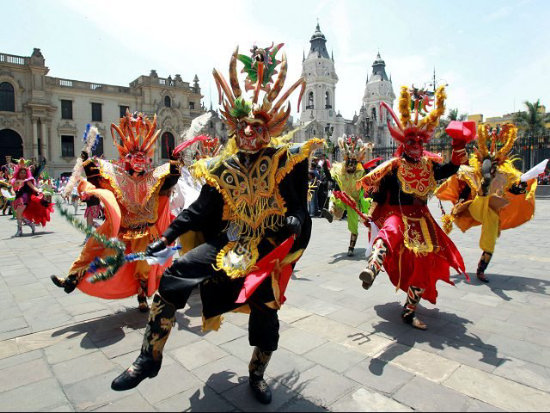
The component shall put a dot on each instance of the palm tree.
(532, 121)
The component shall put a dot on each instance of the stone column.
(45, 140)
(34, 138)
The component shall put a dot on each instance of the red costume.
(412, 248)
(30, 206)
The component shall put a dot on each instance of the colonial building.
(318, 109)
(46, 116)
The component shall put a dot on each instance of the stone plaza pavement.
(341, 348)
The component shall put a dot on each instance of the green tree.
(532, 121)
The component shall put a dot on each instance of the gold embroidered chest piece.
(137, 194)
(253, 204)
(416, 178)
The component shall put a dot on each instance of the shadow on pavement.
(183, 318)
(105, 331)
(358, 255)
(499, 284)
(446, 330)
(285, 387)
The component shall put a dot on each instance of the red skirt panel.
(38, 210)
(419, 253)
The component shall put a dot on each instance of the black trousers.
(197, 266)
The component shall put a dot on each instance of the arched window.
(310, 101)
(168, 144)
(167, 101)
(7, 97)
(328, 105)
(373, 112)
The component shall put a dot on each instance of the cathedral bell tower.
(319, 98)
(379, 88)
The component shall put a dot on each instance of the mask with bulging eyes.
(138, 162)
(251, 136)
(414, 148)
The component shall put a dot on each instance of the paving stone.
(379, 375)
(317, 306)
(15, 333)
(335, 356)
(82, 368)
(61, 408)
(286, 365)
(497, 391)
(350, 317)
(495, 327)
(182, 337)
(240, 348)
(134, 403)
(198, 354)
(202, 399)
(483, 358)
(368, 344)
(478, 406)
(524, 372)
(69, 349)
(126, 344)
(226, 333)
(20, 359)
(8, 348)
(24, 374)
(322, 386)
(427, 365)
(11, 324)
(40, 395)
(171, 380)
(329, 329)
(299, 341)
(223, 374)
(424, 395)
(365, 400)
(521, 349)
(290, 314)
(95, 392)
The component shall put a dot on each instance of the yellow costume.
(488, 192)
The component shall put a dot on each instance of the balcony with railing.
(14, 60)
(78, 84)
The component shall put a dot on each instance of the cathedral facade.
(319, 117)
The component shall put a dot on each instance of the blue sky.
(493, 54)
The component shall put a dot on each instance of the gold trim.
(413, 242)
(408, 172)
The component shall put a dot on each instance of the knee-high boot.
(482, 266)
(414, 294)
(352, 242)
(256, 369)
(147, 364)
(374, 263)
